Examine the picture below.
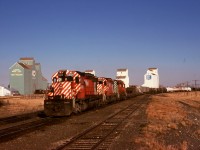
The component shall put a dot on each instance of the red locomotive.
(74, 91)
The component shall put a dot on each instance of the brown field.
(10, 106)
(173, 122)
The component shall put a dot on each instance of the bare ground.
(169, 121)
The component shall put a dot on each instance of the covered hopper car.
(75, 91)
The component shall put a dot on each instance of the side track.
(11, 132)
(18, 118)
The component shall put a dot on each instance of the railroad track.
(18, 118)
(101, 135)
(27, 124)
(14, 126)
(13, 131)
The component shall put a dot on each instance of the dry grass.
(152, 144)
(14, 106)
(165, 113)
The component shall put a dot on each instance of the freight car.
(75, 91)
(133, 91)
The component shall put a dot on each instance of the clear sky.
(103, 35)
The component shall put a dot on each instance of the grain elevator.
(151, 78)
(122, 74)
(26, 76)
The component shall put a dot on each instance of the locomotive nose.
(51, 88)
(60, 88)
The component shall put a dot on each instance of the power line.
(195, 86)
(195, 83)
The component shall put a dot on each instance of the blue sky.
(103, 35)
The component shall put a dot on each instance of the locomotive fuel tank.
(57, 107)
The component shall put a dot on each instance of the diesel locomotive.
(75, 91)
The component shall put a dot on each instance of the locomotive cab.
(57, 102)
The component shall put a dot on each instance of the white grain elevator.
(151, 78)
(122, 74)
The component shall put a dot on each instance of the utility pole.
(187, 88)
(187, 84)
(195, 86)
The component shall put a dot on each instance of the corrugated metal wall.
(27, 79)
(17, 78)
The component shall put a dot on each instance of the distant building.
(151, 78)
(122, 74)
(175, 89)
(4, 91)
(90, 71)
(26, 76)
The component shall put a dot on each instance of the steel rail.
(18, 118)
(9, 132)
(97, 134)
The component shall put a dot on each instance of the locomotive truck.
(75, 91)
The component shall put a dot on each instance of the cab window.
(77, 80)
(69, 78)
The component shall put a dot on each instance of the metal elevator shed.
(26, 76)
